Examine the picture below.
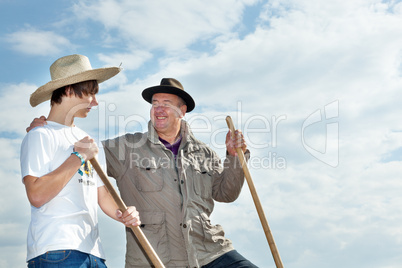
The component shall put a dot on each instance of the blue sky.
(314, 85)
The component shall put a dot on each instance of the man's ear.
(183, 110)
(69, 90)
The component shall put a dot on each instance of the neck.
(170, 138)
(59, 115)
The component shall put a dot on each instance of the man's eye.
(163, 105)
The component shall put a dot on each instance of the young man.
(61, 185)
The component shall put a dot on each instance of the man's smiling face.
(166, 113)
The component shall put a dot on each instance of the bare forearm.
(106, 203)
(129, 218)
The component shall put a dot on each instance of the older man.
(173, 179)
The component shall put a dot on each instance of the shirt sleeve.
(115, 155)
(36, 153)
(229, 181)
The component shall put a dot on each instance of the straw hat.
(70, 70)
(171, 86)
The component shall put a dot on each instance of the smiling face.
(166, 113)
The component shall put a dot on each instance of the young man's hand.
(130, 217)
(86, 147)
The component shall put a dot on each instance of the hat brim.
(44, 92)
(149, 92)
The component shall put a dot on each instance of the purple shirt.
(172, 147)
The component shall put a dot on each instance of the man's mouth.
(161, 117)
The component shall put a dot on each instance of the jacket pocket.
(148, 175)
(213, 234)
(202, 182)
(153, 225)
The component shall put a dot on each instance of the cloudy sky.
(314, 85)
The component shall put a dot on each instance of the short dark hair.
(89, 87)
(181, 102)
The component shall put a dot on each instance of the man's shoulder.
(39, 137)
(128, 137)
(195, 144)
(40, 131)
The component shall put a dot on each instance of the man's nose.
(94, 101)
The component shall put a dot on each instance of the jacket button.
(184, 225)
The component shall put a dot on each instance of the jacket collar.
(185, 132)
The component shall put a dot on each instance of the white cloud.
(14, 209)
(129, 61)
(14, 100)
(165, 25)
(298, 65)
(37, 43)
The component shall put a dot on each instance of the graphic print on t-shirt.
(87, 174)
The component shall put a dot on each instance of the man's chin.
(82, 115)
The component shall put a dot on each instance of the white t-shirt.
(69, 220)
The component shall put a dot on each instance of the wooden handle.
(136, 229)
(260, 211)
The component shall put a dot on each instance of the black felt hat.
(170, 86)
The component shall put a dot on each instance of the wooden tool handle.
(257, 203)
(136, 229)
